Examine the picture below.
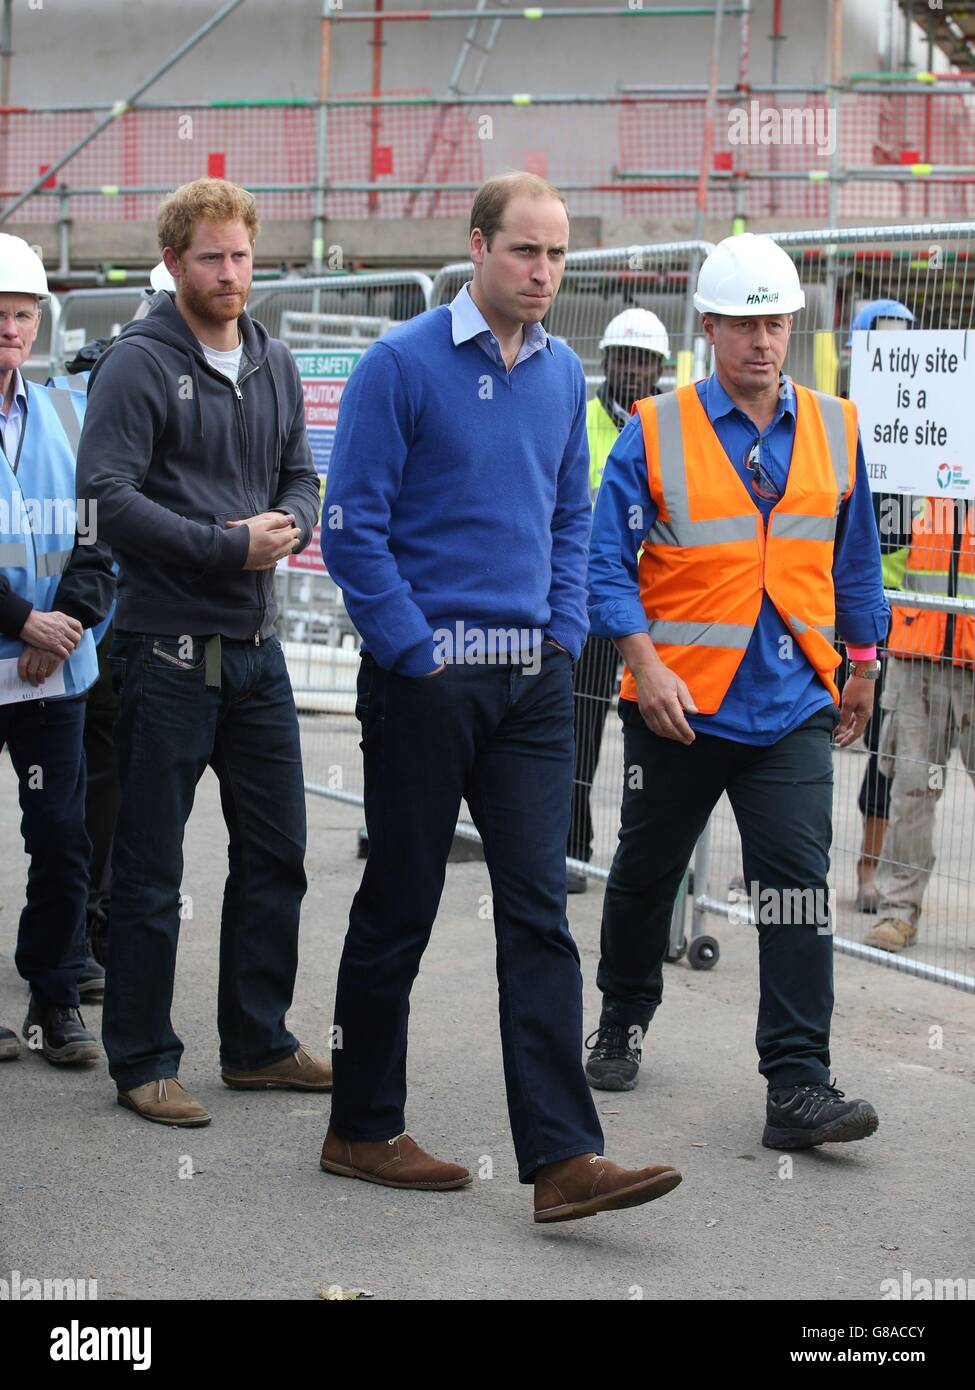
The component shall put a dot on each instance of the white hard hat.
(748, 275)
(636, 328)
(21, 268)
(160, 278)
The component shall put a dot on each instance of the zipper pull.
(257, 638)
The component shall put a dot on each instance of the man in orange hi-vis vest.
(751, 499)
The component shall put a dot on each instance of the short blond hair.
(203, 200)
(493, 197)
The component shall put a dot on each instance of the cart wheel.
(679, 953)
(703, 953)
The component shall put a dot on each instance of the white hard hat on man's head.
(21, 268)
(748, 275)
(636, 328)
(160, 278)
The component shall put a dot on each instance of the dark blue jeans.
(171, 725)
(781, 796)
(44, 738)
(502, 738)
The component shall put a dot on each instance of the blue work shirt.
(12, 420)
(775, 689)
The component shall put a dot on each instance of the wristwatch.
(868, 671)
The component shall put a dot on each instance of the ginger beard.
(217, 306)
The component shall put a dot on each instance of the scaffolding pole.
(120, 108)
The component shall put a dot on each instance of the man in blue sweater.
(459, 485)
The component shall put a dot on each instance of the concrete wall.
(97, 50)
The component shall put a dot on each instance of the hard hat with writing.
(878, 309)
(636, 328)
(160, 279)
(21, 268)
(748, 275)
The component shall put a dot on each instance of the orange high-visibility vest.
(920, 631)
(707, 559)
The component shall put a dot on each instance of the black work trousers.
(781, 795)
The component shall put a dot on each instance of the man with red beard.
(195, 452)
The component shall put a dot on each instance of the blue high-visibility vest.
(37, 516)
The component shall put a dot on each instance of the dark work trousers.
(874, 798)
(781, 796)
(43, 738)
(594, 684)
(171, 725)
(103, 793)
(501, 737)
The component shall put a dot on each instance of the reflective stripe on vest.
(703, 575)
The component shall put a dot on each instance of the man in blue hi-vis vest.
(55, 585)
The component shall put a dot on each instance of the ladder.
(475, 51)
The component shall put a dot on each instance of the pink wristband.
(862, 653)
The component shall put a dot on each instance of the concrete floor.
(90, 1191)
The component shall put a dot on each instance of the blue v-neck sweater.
(458, 492)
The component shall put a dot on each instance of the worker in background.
(879, 315)
(635, 349)
(103, 793)
(750, 496)
(930, 696)
(56, 583)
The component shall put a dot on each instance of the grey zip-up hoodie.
(171, 450)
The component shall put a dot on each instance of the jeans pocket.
(174, 653)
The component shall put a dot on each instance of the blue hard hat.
(878, 309)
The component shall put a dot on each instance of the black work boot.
(91, 977)
(59, 1032)
(799, 1117)
(614, 1060)
(9, 1046)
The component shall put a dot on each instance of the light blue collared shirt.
(468, 322)
(12, 420)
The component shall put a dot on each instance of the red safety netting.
(634, 157)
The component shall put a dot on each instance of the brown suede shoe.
(891, 934)
(299, 1072)
(398, 1162)
(587, 1183)
(165, 1102)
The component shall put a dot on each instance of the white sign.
(915, 393)
(13, 689)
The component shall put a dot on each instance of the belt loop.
(213, 661)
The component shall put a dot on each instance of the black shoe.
(9, 1046)
(91, 978)
(614, 1062)
(59, 1032)
(576, 881)
(799, 1117)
